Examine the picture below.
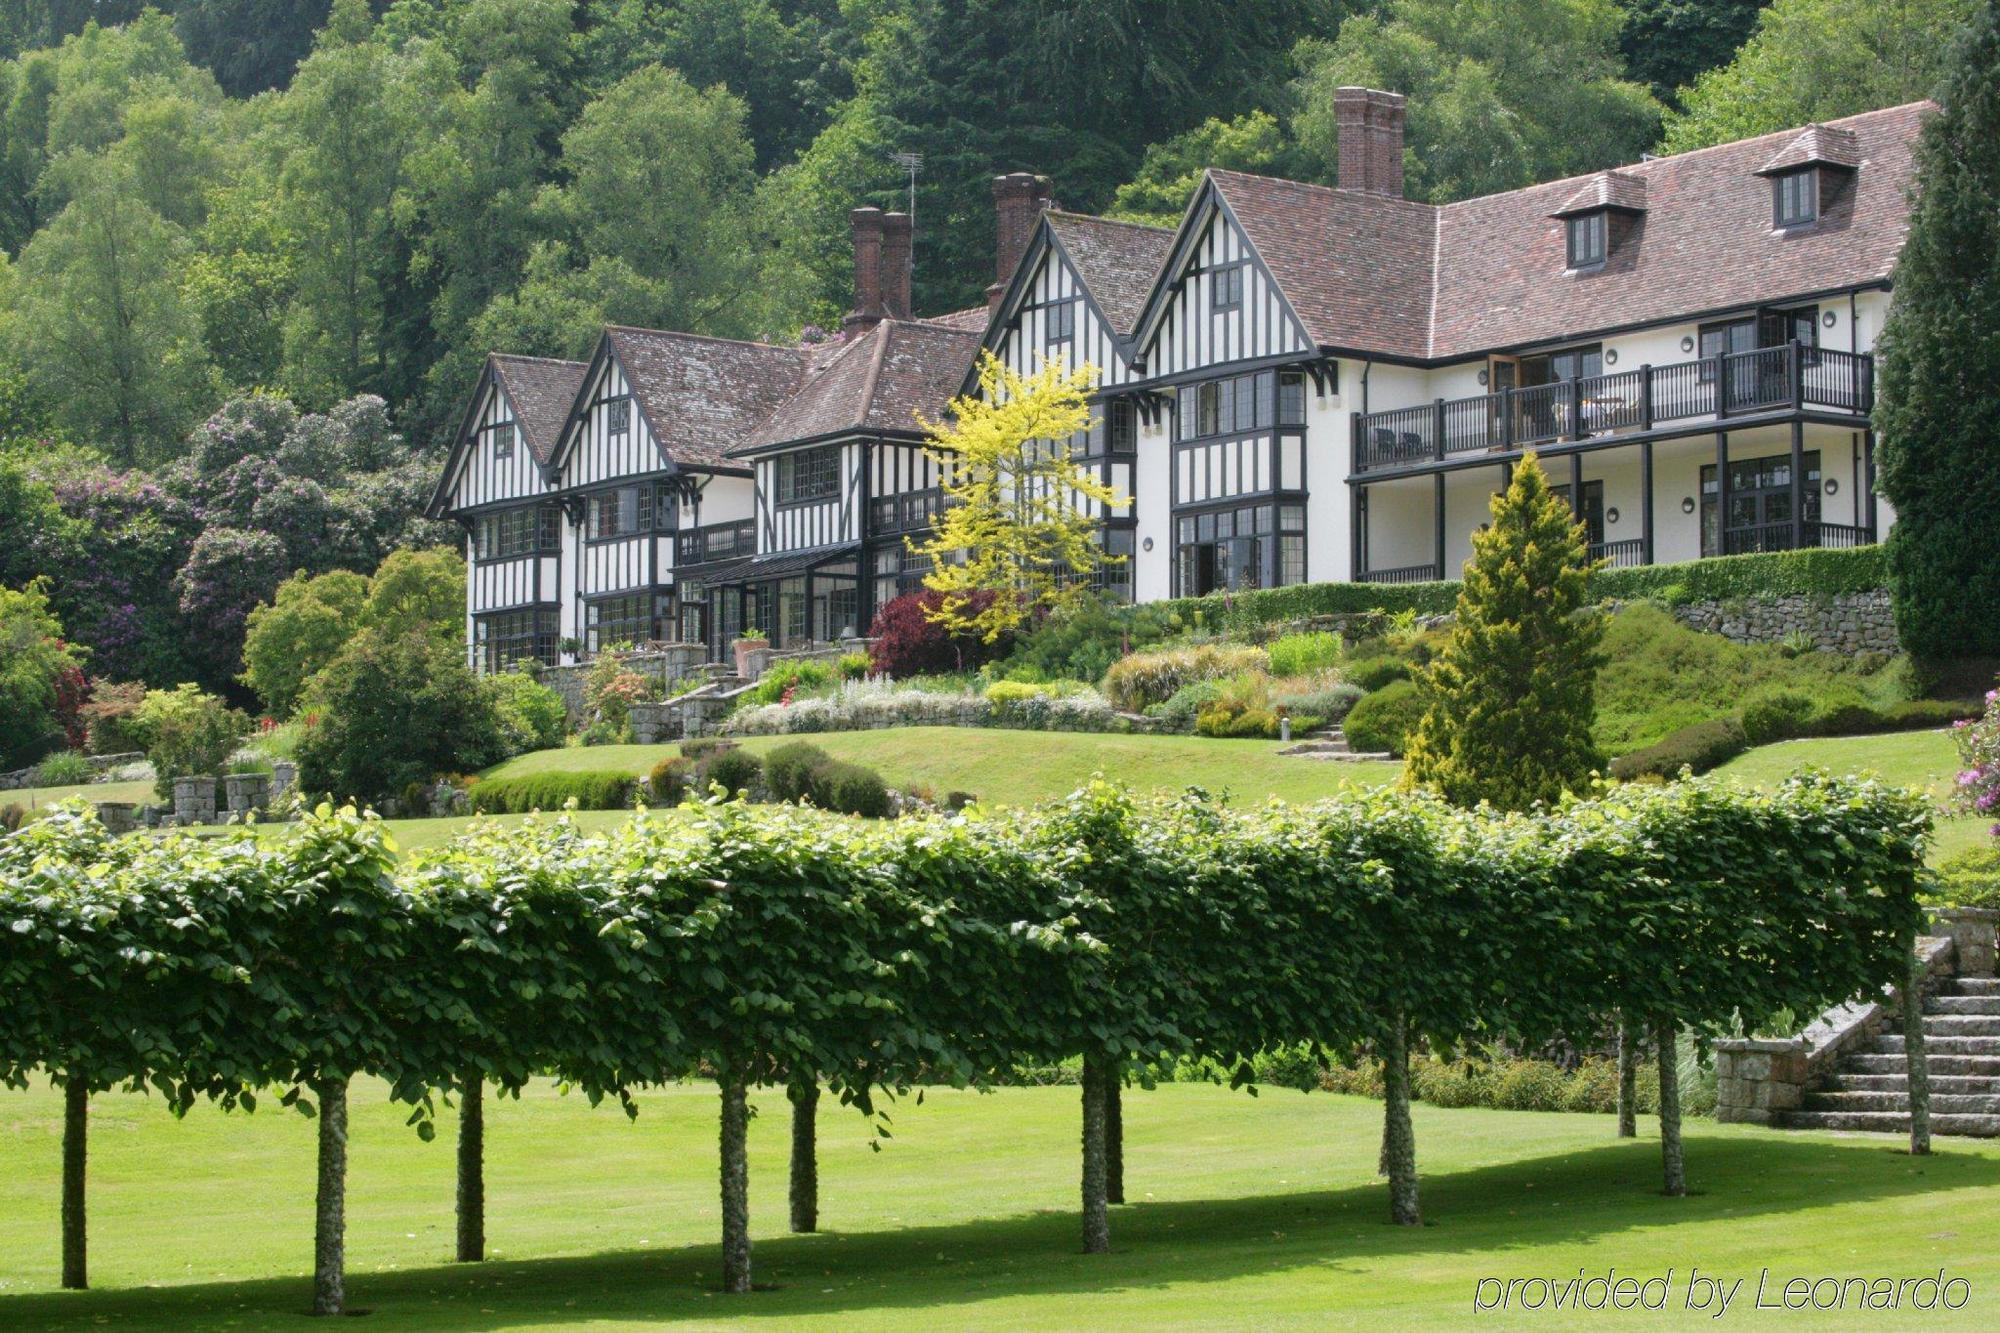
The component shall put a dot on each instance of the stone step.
(1941, 1045)
(1981, 1066)
(1961, 1025)
(1976, 985)
(1963, 1004)
(1889, 1122)
(1954, 1084)
(1941, 1103)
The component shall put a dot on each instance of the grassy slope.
(1926, 759)
(1012, 767)
(36, 797)
(1245, 1212)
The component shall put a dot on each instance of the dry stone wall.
(1841, 623)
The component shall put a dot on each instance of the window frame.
(618, 416)
(1225, 286)
(1804, 201)
(1593, 226)
(1061, 313)
(517, 532)
(531, 633)
(785, 476)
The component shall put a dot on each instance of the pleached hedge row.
(766, 945)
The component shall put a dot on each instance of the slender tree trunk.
(75, 1234)
(330, 1215)
(1628, 1080)
(1114, 1138)
(1916, 1058)
(735, 1187)
(1096, 1216)
(1399, 1135)
(472, 1170)
(805, 1156)
(1672, 1162)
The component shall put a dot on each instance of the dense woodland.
(345, 205)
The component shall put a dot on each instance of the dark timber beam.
(1798, 481)
(1646, 503)
(1721, 493)
(1437, 518)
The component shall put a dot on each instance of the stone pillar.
(194, 800)
(116, 816)
(246, 792)
(1972, 932)
(284, 777)
(1756, 1077)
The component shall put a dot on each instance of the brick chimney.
(1370, 126)
(867, 224)
(1019, 199)
(895, 280)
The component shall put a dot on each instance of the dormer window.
(1586, 239)
(1795, 197)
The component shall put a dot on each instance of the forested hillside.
(345, 205)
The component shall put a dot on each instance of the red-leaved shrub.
(909, 643)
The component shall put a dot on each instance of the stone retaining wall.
(665, 665)
(1843, 623)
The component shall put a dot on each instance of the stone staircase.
(1328, 743)
(1869, 1087)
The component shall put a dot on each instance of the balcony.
(910, 511)
(1768, 380)
(715, 541)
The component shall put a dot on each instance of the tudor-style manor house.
(1298, 383)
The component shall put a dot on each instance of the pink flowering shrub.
(1979, 760)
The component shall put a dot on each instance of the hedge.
(551, 791)
(769, 944)
(1814, 572)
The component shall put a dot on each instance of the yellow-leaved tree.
(1019, 529)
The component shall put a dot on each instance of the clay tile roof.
(972, 319)
(1705, 243)
(541, 392)
(704, 396)
(879, 381)
(1607, 189)
(1826, 144)
(1355, 266)
(1116, 260)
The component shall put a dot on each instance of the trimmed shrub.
(790, 770)
(1227, 717)
(1137, 682)
(1775, 713)
(1451, 1083)
(668, 782)
(64, 768)
(1528, 1085)
(852, 666)
(12, 816)
(1297, 654)
(1385, 719)
(851, 789)
(1186, 703)
(1700, 747)
(736, 769)
(1969, 878)
(1330, 702)
(1015, 691)
(551, 791)
(1372, 673)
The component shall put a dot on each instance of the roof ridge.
(1109, 222)
(702, 337)
(537, 360)
(875, 371)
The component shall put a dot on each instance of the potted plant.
(569, 647)
(748, 642)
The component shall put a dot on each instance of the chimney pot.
(866, 224)
(895, 281)
(1369, 124)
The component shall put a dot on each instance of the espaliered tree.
(742, 943)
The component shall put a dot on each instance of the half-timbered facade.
(1298, 383)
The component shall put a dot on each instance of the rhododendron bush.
(1979, 759)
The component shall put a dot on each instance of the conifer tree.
(1940, 357)
(1508, 702)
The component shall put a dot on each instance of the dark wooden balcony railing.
(1778, 537)
(715, 541)
(1741, 383)
(910, 511)
(1402, 574)
(1622, 555)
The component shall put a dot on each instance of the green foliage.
(1508, 703)
(789, 770)
(851, 789)
(800, 675)
(111, 717)
(670, 780)
(1970, 878)
(552, 791)
(1812, 572)
(1669, 43)
(1776, 713)
(1185, 704)
(290, 638)
(1141, 680)
(1936, 455)
(64, 768)
(1483, 113)
(388, 712)
(1372, 673)
(1818, 60)
(1385, 720)
(530, 714)
(1236, 612)
(1082, 643)
(1297, 654)
(1320, 697)
(736, 770)
(33, 661)
(1172, 169)
(188, 733)
(1699, 747)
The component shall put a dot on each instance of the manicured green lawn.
(1015, 767)
(1926, 759)
(34, 798)
(1246, 1212)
